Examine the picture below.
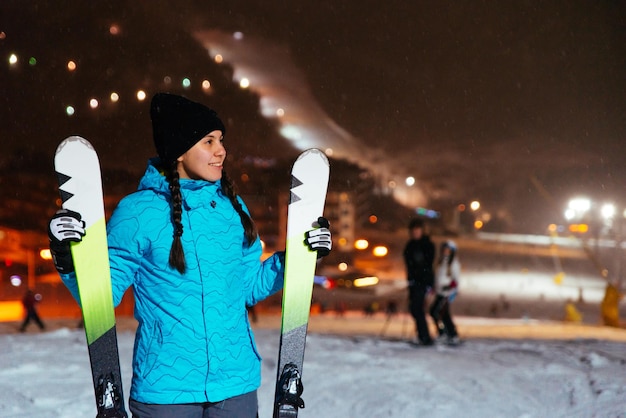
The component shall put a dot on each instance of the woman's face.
(205, 159)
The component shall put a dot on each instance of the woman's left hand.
(319, 239)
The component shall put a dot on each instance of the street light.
(608, 211)
(577, 208)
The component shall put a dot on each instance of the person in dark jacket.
(186, 244)
(30, 301)
(419, 255)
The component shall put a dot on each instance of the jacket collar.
(196, 193)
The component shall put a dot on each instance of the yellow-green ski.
(80, 185)
(309, 182)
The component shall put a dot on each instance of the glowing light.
(12, 59)
(238, 35)
(186, 82)
(392, 184)
(280, 112)
(461, 207)
(329, 152)
(478, 224)
(115, 97)
(373, 219)
(16, 280)
(71, 65)
(206, 84)
(93, 103)
(45, 254)
(608, 211)
(3, 35)
(69, 110)
(475, 205)
(244, 83)
(361, 244)
(167, 79)
(32, 61)
(114, 29)
(218, 58)
(141, 95)
(365, 281)
(380, 251)
(410, 181)
(342, 267)
(580, 228)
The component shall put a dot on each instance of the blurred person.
(447, 274)
(29, 302)
(419, 256)
(187, 245)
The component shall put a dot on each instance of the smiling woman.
(187, 245)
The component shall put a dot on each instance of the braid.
(177, 256)
(249, 227)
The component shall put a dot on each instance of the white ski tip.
(314, 151)
(73, 139)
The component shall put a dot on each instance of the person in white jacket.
(447, 271)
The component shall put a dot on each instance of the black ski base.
(107, 379)
(288, 398)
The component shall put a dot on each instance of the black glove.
(64, 227)
(319, 239)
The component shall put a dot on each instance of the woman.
(186, 244)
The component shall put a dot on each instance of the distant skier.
(446, 285)
(30, 301)
(419, 255)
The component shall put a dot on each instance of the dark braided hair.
(249, 227)
(177, 256)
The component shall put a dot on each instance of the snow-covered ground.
(47, 375)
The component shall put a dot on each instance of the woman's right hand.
(65, 226)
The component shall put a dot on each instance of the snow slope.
(47, 375)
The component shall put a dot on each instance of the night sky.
(476, 99)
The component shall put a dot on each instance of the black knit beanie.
(178, 124)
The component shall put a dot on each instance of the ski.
(309, 182)
(80, 186)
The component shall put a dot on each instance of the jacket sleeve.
(125, 249)
(269, 277)
(264, 277)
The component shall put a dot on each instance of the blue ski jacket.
(193, 342)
